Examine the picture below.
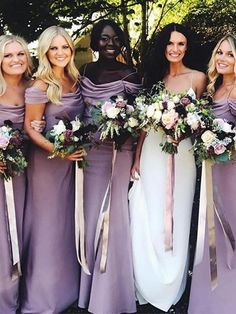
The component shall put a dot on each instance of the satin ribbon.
(13, 235)
(102, 230)
(79, 219)
(168, 213)
(208, 210)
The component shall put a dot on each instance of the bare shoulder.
(130, 75)
(40, 85)
(198, 76)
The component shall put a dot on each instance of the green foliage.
(212, 19)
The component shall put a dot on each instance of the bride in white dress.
(160, 275)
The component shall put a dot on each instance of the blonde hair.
(7, 39)
(45, 70)
(213, 75)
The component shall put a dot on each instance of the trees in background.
(140, 19)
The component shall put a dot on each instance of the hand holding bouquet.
(69, 136)
(114, 120)
(11, 151)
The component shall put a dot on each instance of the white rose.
(170, 105)
(176, 99)
(169, 118)
(150, 111)
(59, 128)
(207, 137)
(112, 112)
(76, 124)
(157, 115)
(132, 122)
(227, 128)
(192, 120)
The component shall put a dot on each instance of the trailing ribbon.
(168, 213)
(211, 225)
(102, 230)
(11, 216)
(79, 219)
(207, 211)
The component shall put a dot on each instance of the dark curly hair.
(98, 28)
(156, 65)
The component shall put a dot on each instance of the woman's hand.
(172, 141)
(38, 125)
(135, 170)
(2, 167)
(77, 156)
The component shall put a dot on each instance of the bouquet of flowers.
(217, 143)
(69, 136)
(114, 120)
(11, 150)
(179, 115)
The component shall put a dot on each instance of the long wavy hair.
(7, 39)
(155, 64)
(215, 79)
(45, 70)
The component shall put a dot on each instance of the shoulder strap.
(129, 75)
(230, 91)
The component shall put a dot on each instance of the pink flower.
(4, 141)
(106, 106)
(169, 118)
(219, 149)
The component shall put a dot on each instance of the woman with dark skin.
(110, 287)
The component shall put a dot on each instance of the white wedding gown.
(160, 275)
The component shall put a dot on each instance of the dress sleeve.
(34, 95)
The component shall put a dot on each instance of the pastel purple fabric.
(111, 292)
(8, 288)
(51, 270)
(222, 299)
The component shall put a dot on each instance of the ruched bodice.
(13, 113)
(225, 109)
(71, 105)
(93, 93)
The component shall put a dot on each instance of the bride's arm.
(136, 165)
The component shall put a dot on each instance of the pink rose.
(4, 141)
(219, 149)
(169, 118)
(106, 106)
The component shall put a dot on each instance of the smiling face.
(176, 47)
(224, 59)
(14, 60)
(59, 52)
(109, 45)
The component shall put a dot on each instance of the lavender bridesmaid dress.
(222, 299)
(51, 271)
(8, 287)
(111, 292)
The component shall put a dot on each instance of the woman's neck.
(108, 64)
(13, 80)
(228, 80)
(176, 69)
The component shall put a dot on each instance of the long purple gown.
(222, 299)
(111, 292)
(51, 271)
(8, 287)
